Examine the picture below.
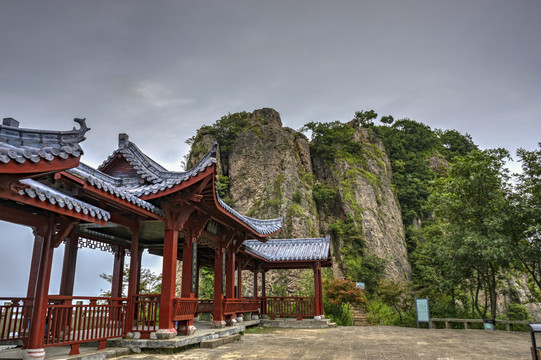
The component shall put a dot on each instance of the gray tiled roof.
(290, 249)
(44, 193)
(260, 226)
(153, 172)
(111, 185)
(171, 178)
(21, 145)
(162, 180)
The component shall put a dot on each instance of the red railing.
(300, 307)
(238, 306)
(15, 316)
(184, 308)
(147, 313)
(71, 320)
(205, 306)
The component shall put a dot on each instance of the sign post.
(423, 311)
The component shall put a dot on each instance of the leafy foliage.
(333, 139)
(472, 210)
(526, 219)
(150, 282)
(343, 291)
(396, 294)
(409, 145)
(339, 296)
(206, 283)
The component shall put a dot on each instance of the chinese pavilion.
(131, 203)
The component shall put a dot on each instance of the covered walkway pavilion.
(130, 203)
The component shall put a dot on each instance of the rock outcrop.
(270, 171)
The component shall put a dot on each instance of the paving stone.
(370, 342)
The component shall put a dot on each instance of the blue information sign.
(423, 311)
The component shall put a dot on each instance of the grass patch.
(259, 330)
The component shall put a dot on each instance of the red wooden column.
(255, 315)
(34, 266)
(132, 281)
(218, 311)
(189, 256)
(68, 266)
(37, 328)
(239, 279)
(263, 295)
(175, 219)
(118, 273)
(138, 272)
(187, 252)
(320, 297)
(317, 284)
(230, 281)
(169, 267)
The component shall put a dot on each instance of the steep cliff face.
(269, 170)
(366, 198)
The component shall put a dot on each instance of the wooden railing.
(72, 320)
(15, 316)
(467, 323)
(205, 306)
(184, 308)
(300, 307)
(239, 306)
(147, 313)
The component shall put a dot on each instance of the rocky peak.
(271, 115)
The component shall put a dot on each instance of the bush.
(340, 313)
(338, 298)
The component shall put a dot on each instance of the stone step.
(361, 320)
(214, 343)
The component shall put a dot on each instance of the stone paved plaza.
(373, 342)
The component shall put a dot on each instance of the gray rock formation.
(271, 172)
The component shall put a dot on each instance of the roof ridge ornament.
(22, 144)
(123, 140)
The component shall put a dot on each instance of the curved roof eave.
(32, 151)
(260, 228)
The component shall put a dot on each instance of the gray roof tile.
(264, 227)
(112, 185)
(162, 180)
(290, 249)
(21, 145)
(44, 193)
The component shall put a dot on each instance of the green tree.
(387, 119)
(365, 118)
(206, 283)
(472, 207)
(150, 282)
(527, 221)
(455, 143)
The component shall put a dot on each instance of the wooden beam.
(21, 217)
(43, 166)
(46, 205)
(122, 220)
(183, 185)
(64, 229)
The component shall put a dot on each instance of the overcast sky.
(158, 70)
